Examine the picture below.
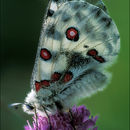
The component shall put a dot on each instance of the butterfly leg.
(47, 117)
(36, 118)
(71, 119)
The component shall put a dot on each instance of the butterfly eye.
(55, 77)
(45, 54)
(92, 52)
(29, 107)
(72, 34)
(68, 76)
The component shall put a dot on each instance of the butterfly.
(78, 41)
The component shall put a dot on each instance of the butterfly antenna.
(47, 117)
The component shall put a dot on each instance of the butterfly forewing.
(79, 39)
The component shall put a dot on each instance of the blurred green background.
(21, 23)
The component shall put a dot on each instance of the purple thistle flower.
(77, 119)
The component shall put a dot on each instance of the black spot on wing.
(93, 36)
(88, 28)
(97, 12)
(58, 36)
(107, 21)
(84, 5)
(116, 37)
(79, 16)
(50, 12)
(104, 35)
(65, 17)
(86, 46)
(78, 60)
(104, 8)
(50, 29)
(109, 47)
(53, 33)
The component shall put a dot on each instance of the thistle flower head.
(78, 118)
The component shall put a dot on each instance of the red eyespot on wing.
(92, 52)
(99, 59)
(45, 83)
(55, 77)
(37, 86)
(68, 76)
(72, 34)
(45, 54)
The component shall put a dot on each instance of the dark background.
(21, 22)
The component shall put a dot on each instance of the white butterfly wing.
(49, 19)
(78, 41)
